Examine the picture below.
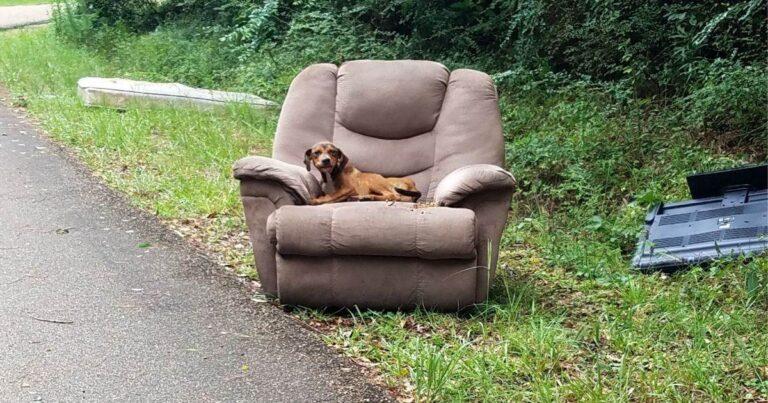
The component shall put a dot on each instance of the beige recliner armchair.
(396, 118)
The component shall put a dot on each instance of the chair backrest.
(396, 118)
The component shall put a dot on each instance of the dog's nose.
(326, 161)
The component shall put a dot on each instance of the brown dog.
(342, 181)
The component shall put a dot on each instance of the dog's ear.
(307, 160)
(340, 165)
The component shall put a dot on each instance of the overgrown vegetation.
(4, 3)
(607, 105)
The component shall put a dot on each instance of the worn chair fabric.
(397, 118)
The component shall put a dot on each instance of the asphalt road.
(18, 16)
(87, 311)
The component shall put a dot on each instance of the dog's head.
(326, 157)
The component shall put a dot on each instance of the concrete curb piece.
(21, 16)
(121, 93)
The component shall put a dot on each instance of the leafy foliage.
(653, 46)
(139, 15)
(732, 98)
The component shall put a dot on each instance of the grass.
(22, 2)
(567, 318)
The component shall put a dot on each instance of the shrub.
(731, 98)
(135, 15)
(652, 46)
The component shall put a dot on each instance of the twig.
(60, 322)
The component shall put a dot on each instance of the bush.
(136, 15)
(650, 45)
(731, 98)
(654, 47)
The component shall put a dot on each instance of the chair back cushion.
(390, 100)
(396, 118)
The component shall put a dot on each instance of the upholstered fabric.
(469, 128)
(307, 116)
(390, 99)
(121, 93)
(472, 179)
(260, 199)
(374, 229)
(296, 180)
(491, 209)
(378, 282)
(397, 118)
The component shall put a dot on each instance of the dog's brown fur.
(342, 181)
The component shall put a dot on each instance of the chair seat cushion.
(374, 229)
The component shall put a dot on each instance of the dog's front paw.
(314, 202)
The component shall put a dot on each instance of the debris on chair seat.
(121, 93)
(420, 205)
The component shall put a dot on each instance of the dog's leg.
(381, 197)
(339, 196)
(361, 198)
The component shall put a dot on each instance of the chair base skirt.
(376, 282)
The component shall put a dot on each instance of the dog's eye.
(316, 153)
(334, 153)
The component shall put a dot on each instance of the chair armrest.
(267, 184)
(295, 180)
(472, 179)
(486, 190)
